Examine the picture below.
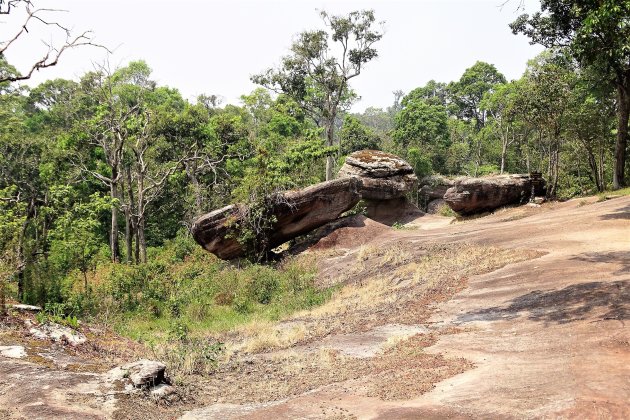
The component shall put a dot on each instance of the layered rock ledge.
(477, 195)
(295, 212)
(386, 180)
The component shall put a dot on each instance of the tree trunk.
(142, 242)
(623, 112)
(330, 139)
(129, 219)
(191, 172)
(592, 163)
(113, 237)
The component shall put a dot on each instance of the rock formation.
(431, 192)
(386, 179)
(476, 195)
(295, 212)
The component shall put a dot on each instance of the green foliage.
(176, 297)
(355, 136)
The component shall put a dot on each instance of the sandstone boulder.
(386, 179)
(296, 213)
(431, 192)
(477, 195)
(144, 373)
(385, 176)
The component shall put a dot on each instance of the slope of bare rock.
(544, 336)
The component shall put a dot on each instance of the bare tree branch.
(51, 57)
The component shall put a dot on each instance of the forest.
(102, 177)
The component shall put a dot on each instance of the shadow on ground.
(606, 300)
(615, 257)
(622, 213)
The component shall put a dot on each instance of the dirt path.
(548, 337)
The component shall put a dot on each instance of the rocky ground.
(519, 314)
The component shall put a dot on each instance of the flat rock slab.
(58, 332)
(369, 343)
(12, 352)
(296, 213)
(25, 308)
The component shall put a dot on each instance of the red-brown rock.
(477, 195)
(296, 213)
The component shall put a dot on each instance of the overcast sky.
(213, 47)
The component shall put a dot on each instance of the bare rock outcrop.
(385, 176)
(431, 190)
(295, 212)
(386, 179)
(477, 195)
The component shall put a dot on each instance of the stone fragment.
(144, 373)
(58, 332)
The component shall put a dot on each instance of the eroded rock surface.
(431, 190)
(477, 195)
(386, 180)
(296, 213)
(385, 176)
(57, 332)
(142, 373)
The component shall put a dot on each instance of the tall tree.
(316, 74)
(598, 34)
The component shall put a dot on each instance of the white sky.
(213, 47)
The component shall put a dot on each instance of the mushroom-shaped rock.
(476, 195)
(386, 180)
(385, 176)
(295, 213)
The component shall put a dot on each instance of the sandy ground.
(542, 333)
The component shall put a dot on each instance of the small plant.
(398, 226)
(446, 211)
(58, 313)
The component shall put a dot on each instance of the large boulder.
(386, 180)
(385, 176)
(295, 212)
(431, 190)
(477, 195)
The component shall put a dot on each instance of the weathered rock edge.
(385, 176)
(296, 212)
(477, 195)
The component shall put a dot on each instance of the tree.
(422, 125)
(501, 105)
(75, 236)
(317, 78)
(37, 16)
(355, 136)
(465, 98)
(466, 94)
(598, 34)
